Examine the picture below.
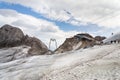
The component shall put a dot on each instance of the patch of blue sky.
(62, 25)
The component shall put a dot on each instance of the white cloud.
(101, 12)
(32, 26)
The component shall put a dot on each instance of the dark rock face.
(12, 37)
(99, 38)
(79, 41)
(67, 45)
(84, 35)
(37, 46)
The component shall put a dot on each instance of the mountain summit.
(78, 41)
(14, 37)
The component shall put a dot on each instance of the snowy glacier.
(95, 63)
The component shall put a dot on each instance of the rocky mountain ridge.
(12, 37)
(82, 40)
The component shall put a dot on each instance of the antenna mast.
(53, 40)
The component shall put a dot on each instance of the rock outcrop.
(79, 41)
(37, 46)
(14, 37)
(67, 45)
(99, 38)
(82, 40)
(10, 36)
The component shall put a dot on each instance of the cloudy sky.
(60, 19)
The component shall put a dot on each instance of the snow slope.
(9, 54)
(96, 63)
(112, 38)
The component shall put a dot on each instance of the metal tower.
(53, 40)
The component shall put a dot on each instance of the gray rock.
(100, 38)
(76, 42)
(37, 46)
(10, 36)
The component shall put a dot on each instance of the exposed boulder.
(37, 46)
(100, 38)
(67, 45)
(12, 37)
(79, 41)
(84, 35)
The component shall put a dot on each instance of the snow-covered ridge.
(96, 63)
(115, 37)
